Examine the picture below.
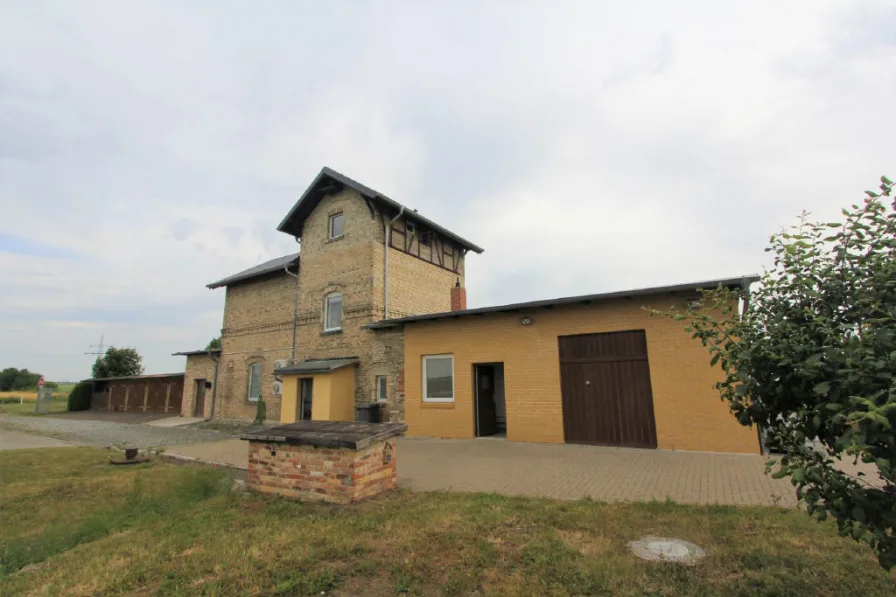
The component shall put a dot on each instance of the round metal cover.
(664, 549)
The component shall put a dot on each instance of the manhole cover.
(663, 549)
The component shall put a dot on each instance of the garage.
(605, 387)
(158, 394)
(594, 369)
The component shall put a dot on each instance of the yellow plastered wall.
(333, 396)
(289, 399)
(689, 413)
(342, 394)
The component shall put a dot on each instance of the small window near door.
(336, 226)
(381, 388)
(333, 313)
(254, 382)
(438, 378)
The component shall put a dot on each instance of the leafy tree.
(118, 362)
(18, 379)
(7, 377)
(215, 343)
(812, 361)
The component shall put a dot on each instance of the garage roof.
(258, 270)
(317, 366)
(137, 377)
(570, 300)
(329, 181)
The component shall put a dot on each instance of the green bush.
(79, 397)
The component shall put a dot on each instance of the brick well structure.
(330, 461)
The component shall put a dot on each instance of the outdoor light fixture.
(526, 320)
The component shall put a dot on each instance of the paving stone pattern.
(564, 471)
(107, 433)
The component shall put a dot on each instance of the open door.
(486, 411)
(306, 386)
(199, 406)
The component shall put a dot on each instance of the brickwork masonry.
(331, 475)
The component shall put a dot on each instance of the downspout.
(386, 244)
(216, 361)
(295, 308)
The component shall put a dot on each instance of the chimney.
(458, 297)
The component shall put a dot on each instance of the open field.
(86, 528)
(58, 405)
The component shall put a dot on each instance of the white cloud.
(587, 146)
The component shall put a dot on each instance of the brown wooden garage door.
(605, 380)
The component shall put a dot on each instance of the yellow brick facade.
(688, 412)
(258, 316)
(199, 367)
(258, 313)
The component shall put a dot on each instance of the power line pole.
(101, 349)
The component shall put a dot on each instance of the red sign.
(40, 383)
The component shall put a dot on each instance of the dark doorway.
(199, 406)
(305, 397)
(489, 396)
(607, 398)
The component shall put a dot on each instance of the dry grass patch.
(165, 530)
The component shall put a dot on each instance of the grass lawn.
(160, 529)
(59, 404)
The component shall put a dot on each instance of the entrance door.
(486, 413)
(305, 396)
(605, 381)
(199, 406)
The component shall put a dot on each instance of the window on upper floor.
(335, 226)
(254, 382)
(333, 312)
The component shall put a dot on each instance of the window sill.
(335, 238)
(331, 332)
(448, 405)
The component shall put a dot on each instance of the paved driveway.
(106, 433)
(16, 440)
(563, 471)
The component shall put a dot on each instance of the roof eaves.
(369, 193)
(192, 353)
(318, 366)
(569, 300)
(151, 376)
(256, 271)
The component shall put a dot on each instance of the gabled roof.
(742, 281)
(259, 270)
(329, 181)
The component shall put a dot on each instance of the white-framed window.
(333, 312)
(382, 392)
(438, 378)
(254, 382)
(335, 226)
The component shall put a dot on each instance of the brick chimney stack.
(458, 297)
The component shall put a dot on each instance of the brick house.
(373, 310)
(364, 258)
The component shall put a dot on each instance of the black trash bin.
(368, 413)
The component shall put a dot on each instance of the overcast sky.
(147, 149)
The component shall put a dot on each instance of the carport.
(158, 394)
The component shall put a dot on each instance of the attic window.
(425, 237)
(335, 226)
(409, 227)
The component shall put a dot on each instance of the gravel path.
(105, 433)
